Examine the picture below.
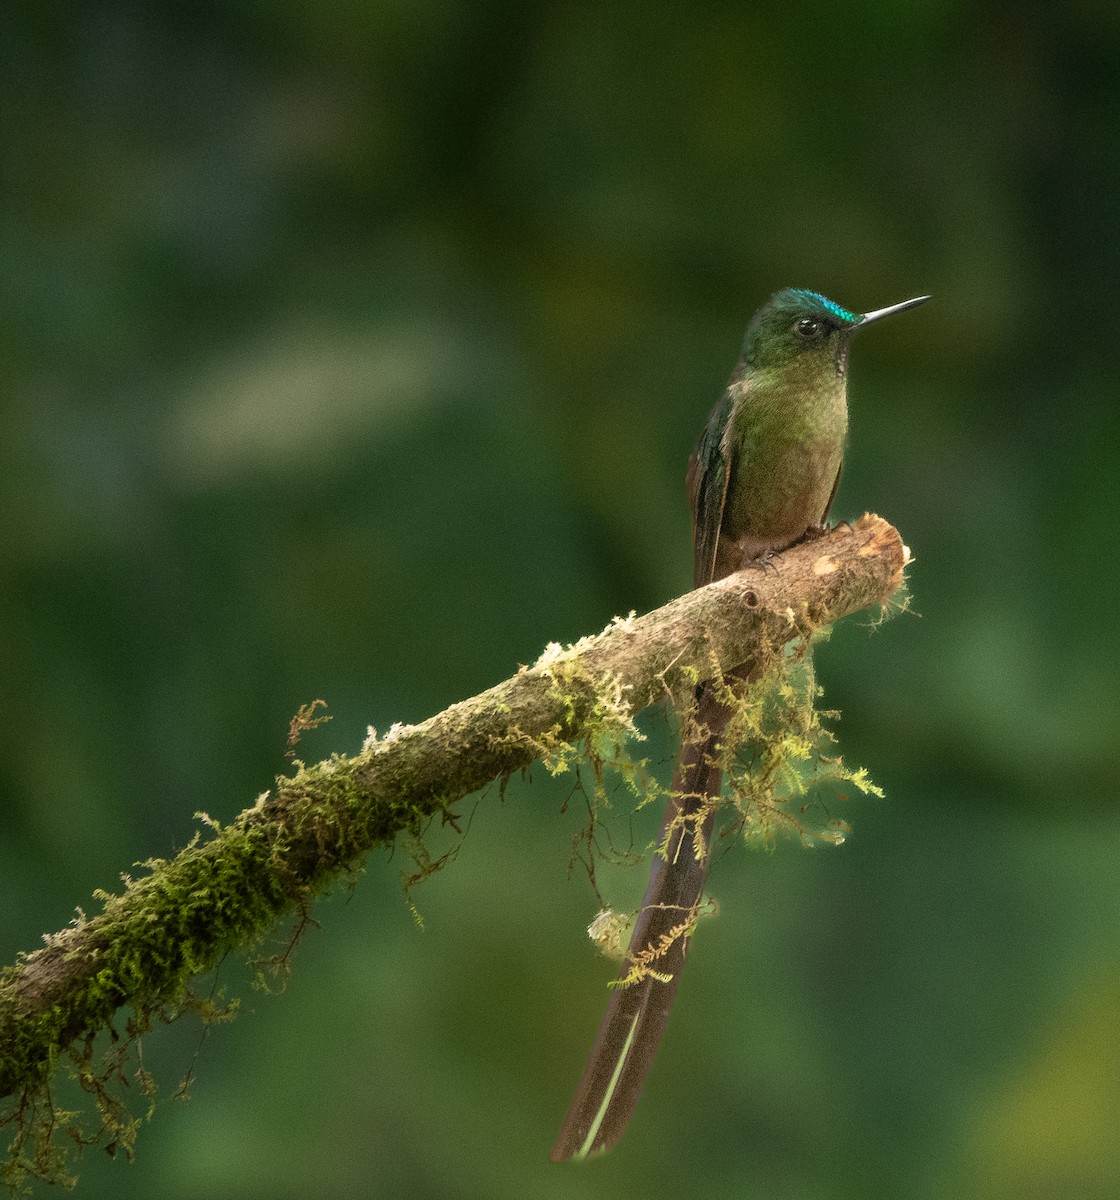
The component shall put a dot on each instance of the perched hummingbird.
(762, 477)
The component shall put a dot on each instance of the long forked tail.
(637, 1012)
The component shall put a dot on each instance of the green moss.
(233, 883)
(782, 776)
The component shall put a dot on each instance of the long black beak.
(880, 313)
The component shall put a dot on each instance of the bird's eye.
(808, 328)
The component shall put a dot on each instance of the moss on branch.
(225, 891)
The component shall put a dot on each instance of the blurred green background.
(356, 350)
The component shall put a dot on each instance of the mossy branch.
(226, 892)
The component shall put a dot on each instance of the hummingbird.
(762, 478)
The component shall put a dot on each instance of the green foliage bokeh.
(355, 351)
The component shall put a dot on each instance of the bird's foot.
(766, 561)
